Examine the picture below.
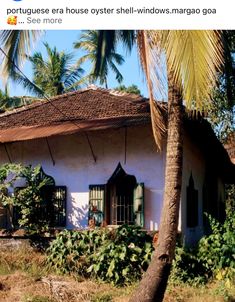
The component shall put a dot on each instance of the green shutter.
(138, 204)
(96, 203)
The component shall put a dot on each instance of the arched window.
(120, 201)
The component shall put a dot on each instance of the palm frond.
(117, 58)
(73, 74)
(87, 57)
(106, 44)
(16, 44)
(117, 73)
(28, 85)
(195, 57)
(128, 38)
(148, 54)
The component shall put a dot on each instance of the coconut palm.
(88, 42)
(193, 60)
(54, 75)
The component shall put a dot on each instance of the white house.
(98, 146)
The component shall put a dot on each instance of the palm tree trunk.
(153, 285)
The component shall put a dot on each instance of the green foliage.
(69, 251)
(54, 75)
(129, 89)
(221, 114)
(217, 251)
(187, 268)
(26, 200)
(123, 259)
(117, 256)
(7, 102)
(89, 43)
(213, 257)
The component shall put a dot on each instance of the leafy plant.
(27, 200)
(122, 260)
(213, 257)
(117, 256)
(69, 251)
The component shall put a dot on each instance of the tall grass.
(25, 260)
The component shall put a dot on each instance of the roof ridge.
(116, 92)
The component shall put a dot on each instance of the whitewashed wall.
(193, 162)
(76, 169)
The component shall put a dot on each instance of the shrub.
(116, 256)
(217, 251)
(27, 201)
(122, 260)
(187, 268)
(213, 257)
(69, 252)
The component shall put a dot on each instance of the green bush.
(213, 257)
(69, 252)
(27, 201)
(187, 268)
(217, 251)
(117, 256)
(123, 259)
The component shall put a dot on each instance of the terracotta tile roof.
(84, 105)
(95, 108)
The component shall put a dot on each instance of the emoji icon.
(12, 20)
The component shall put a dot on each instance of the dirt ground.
(20, 287)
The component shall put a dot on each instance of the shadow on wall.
(153, 206)
(78, 216)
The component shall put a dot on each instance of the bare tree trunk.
(153, 285)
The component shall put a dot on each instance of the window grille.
(117, 208)
(52, 208)
(96, 203)
(122, 210)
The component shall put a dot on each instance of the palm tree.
(54, 75)
(193, 60)
(88, 42)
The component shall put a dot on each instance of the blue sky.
(63, 40)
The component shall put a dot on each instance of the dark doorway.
(121, 193)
